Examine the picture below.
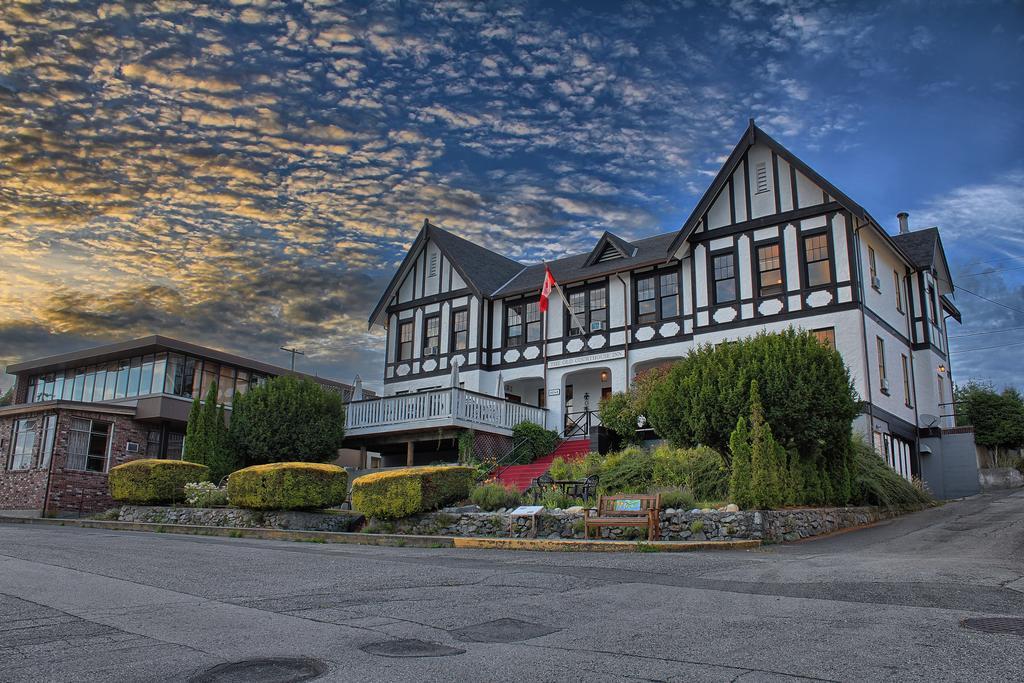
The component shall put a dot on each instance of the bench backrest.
(628, 504)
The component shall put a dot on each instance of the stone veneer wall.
(235, 517)
(676, 525)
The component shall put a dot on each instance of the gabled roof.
(919, 246)
(752, 136)
(609, 247)
(923, 248)
(646, 252)
(483, 270)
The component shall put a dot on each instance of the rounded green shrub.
(288, 486)
(151, 481)
(399, 493)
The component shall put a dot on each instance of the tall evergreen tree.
(740, 482)
(206, 438)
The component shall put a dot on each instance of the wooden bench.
(625, 509)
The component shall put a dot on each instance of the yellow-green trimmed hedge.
(400, 493)
(288, 486)
(151, 481)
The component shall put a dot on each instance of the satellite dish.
(927, 420)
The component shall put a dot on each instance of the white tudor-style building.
(771, 244)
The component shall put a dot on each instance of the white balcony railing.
(438, 408)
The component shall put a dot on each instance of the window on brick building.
(24, 443)
(88, 445)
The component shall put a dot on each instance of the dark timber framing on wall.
(613, 256)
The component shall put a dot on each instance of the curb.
(394, 540)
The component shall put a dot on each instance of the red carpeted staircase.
(521, 476)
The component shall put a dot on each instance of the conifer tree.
(739, 481)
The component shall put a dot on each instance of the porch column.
(364, 459)
(408, 454)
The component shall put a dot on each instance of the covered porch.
(424, 427)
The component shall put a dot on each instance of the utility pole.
(293, 352)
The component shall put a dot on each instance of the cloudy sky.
(248, 175)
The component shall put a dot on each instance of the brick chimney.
(902, 216)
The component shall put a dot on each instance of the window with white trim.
(460, 330)
(25, 432)
(49, 436)
(725, 278)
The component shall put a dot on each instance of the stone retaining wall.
(676, 525)
(235, 517)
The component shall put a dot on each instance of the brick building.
(76, 415)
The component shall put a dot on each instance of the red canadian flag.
(545, 289)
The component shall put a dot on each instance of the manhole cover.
(503, 631)
(1011, 625)
(410, 648)
(269, 670)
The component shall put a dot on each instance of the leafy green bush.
(206, 437)
(621, 412)
(494, 496)
(287, 419)
(557, 499)
(538, 441)
(399, 493)
(700, 470)
(876, 483)
(154, 482)
(627, 471)
(808, 397)
(675, 498)
(288, 486)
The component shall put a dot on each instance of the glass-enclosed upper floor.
(157, 373)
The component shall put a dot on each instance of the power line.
(975, 334)
(991, 301)
(991, 272)
(986, 348)
(981, 262)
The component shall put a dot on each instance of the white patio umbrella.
(455, 375)
(357, 389)
(499, 389)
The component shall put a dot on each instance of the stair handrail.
(498, 467)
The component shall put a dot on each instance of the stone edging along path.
(394, 540)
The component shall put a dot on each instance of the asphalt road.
(883, 603)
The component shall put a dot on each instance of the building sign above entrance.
(589, 358)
